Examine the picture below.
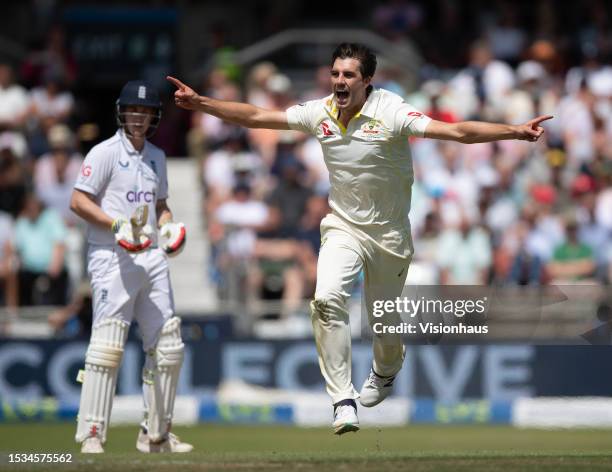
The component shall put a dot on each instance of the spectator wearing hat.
(524, 100)
(257, 90)
(265, 141)
(226, 167)
(56, 171)
(54, 175)
(50, 104)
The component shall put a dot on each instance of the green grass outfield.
(285, 448)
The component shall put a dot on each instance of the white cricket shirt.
(369, 163)
(122, 179)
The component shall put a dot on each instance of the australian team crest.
(373, 129)
(373, 126)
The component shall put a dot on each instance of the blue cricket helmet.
(139, 93)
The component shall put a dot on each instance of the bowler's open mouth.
(342, 96)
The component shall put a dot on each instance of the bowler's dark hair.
(365, 56)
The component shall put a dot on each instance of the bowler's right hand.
(184, 97)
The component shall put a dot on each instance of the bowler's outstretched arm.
(242, 114)
(482, 132)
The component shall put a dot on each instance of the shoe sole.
(92, 451)
(88, 450)
(346, 428)
(370, 405)
(144, 450)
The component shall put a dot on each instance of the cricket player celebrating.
(364, 136)
(121, 192)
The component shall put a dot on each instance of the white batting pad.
(160, 379)
(100, 378)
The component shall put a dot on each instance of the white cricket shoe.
(345, 417)
(375, 389)
(92, 445)
(172, 443)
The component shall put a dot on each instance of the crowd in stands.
(39, 162)
(510, 212)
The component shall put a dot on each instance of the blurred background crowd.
(507, 213)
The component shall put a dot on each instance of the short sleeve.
(301, 117)
(409, 121)
(95, 172)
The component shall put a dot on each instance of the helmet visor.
(138, 122)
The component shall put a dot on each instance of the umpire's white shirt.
(122, 179)
(369, 163)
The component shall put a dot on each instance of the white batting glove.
(125, 237)
(174, 237)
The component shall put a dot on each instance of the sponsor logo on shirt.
(326, 130)
(415, 114)
(124, 165)
(86, 171)
(134, 196)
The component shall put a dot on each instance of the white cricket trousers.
(342, 257)
(131, 286)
